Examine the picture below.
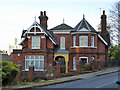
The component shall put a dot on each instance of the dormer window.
(83, 41)
(92, 41)
(35, 42)
(62, 42)
(74, 41)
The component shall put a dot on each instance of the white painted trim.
(87, 25)
(21, 41)
(81, 32)
(83, 47)
(102, 40)
(62, 30)
(79, 25)
(84, 57)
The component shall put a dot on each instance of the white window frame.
(84, 57)
(80, 40)
(62, 43)
(38, 42)
(74, 41)
(74, 63)
(92, 41)
(30, 59)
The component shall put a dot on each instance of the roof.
(62, 51)
(84, 24)
(23, 33)
(62, 27)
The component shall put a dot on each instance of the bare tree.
(114, 20)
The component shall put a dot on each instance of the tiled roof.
(84, 24)
(62, 27)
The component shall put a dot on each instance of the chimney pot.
(44, 13)
(41, 13)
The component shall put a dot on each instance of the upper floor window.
(35, 42)
(83, 41)
(74, 41)
(92, 41)
(62, 42)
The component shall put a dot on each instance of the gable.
(83, 29)
(35, 28)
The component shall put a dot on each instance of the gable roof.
(84, 24)
(62, 27)
(47, 33)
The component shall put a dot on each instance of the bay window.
(35, 60)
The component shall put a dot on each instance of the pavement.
(66, 79)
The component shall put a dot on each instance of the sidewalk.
(67, 79)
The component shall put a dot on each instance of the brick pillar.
(79, 67)
(31, 73)
(19, 76)
(57, 69)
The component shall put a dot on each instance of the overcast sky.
(16, 15)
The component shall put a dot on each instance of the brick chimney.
(103, 23)
(43, 19)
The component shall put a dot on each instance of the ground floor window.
(84, 59)
(74, 63)
(36, 60)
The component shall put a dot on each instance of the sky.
(16, 15)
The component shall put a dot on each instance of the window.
(35, 42)
(74, 63)
(84, 59)
(74, 41)
(36, 61)
(83, 41)
(62, 42)
(92, 41)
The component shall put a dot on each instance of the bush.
(9, 72)
(86, 67)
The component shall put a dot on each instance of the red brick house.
(42, 48)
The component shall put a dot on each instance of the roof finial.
(83, 16)
(35, 18)
(63, 20)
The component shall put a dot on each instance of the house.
(5, 56)
(42, 48)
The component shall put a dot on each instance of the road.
(104, 81)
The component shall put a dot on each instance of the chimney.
(103, 23)
(43, 19)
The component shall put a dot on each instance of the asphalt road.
(104, 81)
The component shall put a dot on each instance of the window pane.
(36, 64)
(27, 57)
(32, 57)
(62, 42)
(41, 64)
(83, 40)
(41, 57)
(27, 64)
(36, 42)
(74, 63)
(36, 57)
(74, 41)
(92, 41)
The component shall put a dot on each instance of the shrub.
(9, 72)
(86, 67)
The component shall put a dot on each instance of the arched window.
(62, 42)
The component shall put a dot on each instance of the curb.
(64, 80)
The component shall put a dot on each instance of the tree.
(9, 72)
(114, 53)
(114, 20)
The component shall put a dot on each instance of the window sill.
(34, 70)
(82, 47)
(73, 69)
